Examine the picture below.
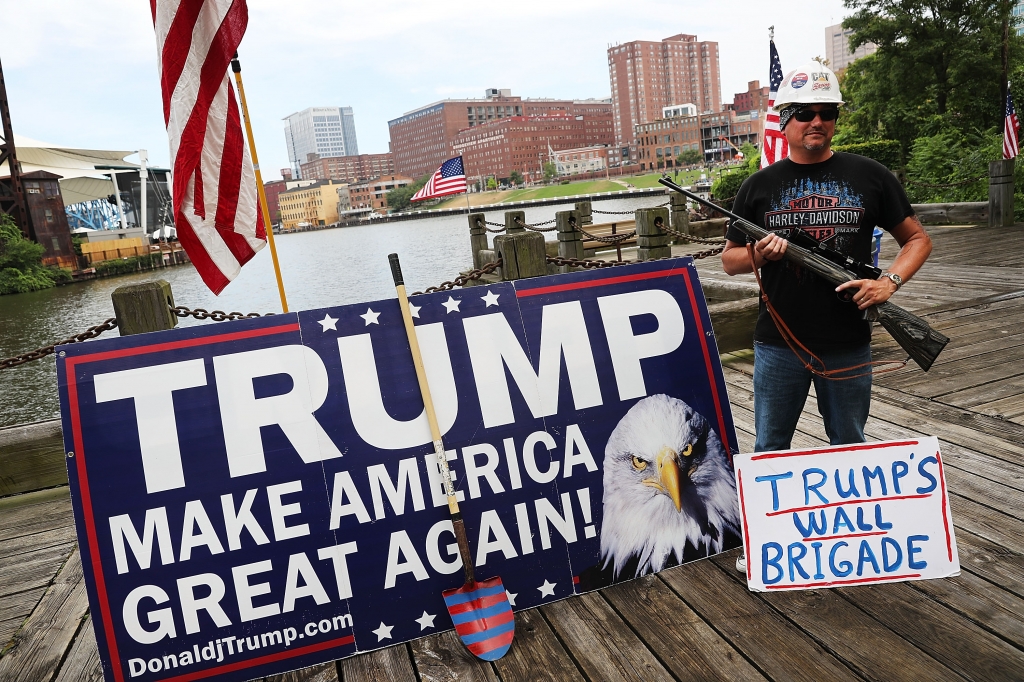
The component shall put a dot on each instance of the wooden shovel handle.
(435, 431)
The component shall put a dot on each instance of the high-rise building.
(837, 47)
(423, 139)
(647, 76)
(324, 131)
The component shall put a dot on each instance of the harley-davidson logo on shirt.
(819, 212)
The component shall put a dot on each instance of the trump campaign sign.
(261, 495)
(846, 515)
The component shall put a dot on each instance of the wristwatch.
(896, 279)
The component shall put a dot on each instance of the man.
(838, 199)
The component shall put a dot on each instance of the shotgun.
(913, 334)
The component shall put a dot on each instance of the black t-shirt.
(838, 202)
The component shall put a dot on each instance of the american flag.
(775, 146)
(1010, 128)
(450, 178)
(216, 209)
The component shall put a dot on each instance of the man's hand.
(736, 261)
(869, 292)
(772, 247)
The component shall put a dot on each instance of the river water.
(323, 268)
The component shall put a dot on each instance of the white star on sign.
(451, 305)
(370, 317)
(383, 632)
(329, 322)
(490, 299)
(426, 621)
(547, 589)
(414, 310)
(511, 597)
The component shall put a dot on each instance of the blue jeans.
(781, 384)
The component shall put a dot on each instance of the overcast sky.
(83, 73)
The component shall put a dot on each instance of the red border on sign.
(834, 448)
(587, 284)
(856, 581)
(83, 478)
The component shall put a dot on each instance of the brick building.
(522, 143)
(659, 143)
(348, 168)
(754, 99)
(373, 193)
(423, 139)
(646, 76)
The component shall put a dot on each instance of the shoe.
(741, 563)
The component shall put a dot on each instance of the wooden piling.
(522, 254)
(513, 220)
(679, 213)
(570, 239)
(584, 213)
(1000, 193)
(477, 237)
(652, 242)
(144, 307)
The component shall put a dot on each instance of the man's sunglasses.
(807, 115)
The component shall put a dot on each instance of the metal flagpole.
(236, 67)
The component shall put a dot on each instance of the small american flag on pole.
(450, 178)
(775, 146)
(216, 210)
(1010, 128)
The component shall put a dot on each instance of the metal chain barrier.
(594, 210)
(215, 315)
(461, 280)
(90, 333)
(691, 238)
(537, 228)
(588, 263)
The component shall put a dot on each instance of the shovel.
(480, 610)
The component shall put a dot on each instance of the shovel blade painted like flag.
(483, 617)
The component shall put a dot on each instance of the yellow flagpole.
(236, 67)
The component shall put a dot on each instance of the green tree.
(689, 157)
(938, 62)
(516, 177)
(21, 268)
(952, 165)
(492, 183)
(550, 170)
(399, 198)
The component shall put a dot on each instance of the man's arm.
(735, 260)
(915, 247)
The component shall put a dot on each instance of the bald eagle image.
(669, 490)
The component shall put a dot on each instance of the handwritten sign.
(846, 515)
(257, 496)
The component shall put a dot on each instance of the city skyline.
(108, 50)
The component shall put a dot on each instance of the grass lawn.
(572, 189)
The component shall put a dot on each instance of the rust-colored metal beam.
(12, 194)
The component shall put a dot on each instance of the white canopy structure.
(81, 179)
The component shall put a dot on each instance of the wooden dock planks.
(699, 622)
